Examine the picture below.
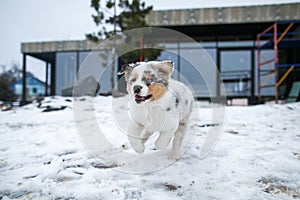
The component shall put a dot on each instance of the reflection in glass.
(65, 73)
(236, 72)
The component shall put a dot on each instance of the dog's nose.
(137, 89)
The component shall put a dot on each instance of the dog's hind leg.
(178, 138)
(164, 139)
(134, 137)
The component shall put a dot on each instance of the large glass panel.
(65, 72)
(98, 61)
(212, 53)
(197, 68)
(186, 61)
(236, 72)
(97, 68)
(82, 56)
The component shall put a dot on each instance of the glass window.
(97, 66)
(199, 70)
(212, 53)
(65, 72)
(235, 60)
(82, 56)
(186, 62)
(236, 72)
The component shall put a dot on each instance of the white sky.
(46, 20)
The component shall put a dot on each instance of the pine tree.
(132, 16)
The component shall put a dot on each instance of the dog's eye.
(149, 81)
(133, 80)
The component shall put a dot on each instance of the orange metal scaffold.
(273, 63)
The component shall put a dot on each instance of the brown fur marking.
(136, 75)
(157, 90)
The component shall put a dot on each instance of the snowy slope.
(257, 157)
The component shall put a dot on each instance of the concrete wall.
(225, 15)
(54, 46)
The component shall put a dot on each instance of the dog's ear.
(164, 68)
(126, 70)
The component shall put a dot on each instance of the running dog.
(157, 103)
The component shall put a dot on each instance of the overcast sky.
(46, 20)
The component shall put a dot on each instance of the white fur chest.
(156, 116)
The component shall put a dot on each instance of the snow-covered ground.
(256, 157)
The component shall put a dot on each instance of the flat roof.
(54, 46)
(243, 22)
(225, 15)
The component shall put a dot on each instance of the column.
(24, 95)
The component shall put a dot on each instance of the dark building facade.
(255, 49)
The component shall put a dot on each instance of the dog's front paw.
(174, 156)
(138, 147)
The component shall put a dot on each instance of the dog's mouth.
(140, 99)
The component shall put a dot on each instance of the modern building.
(255, 49)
